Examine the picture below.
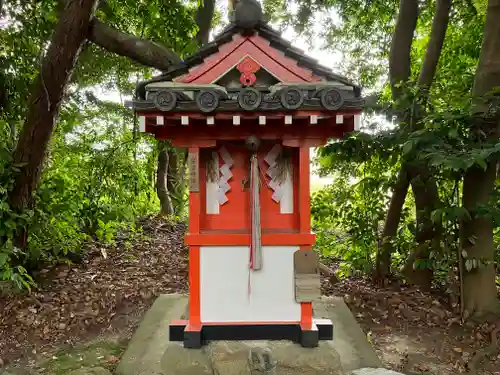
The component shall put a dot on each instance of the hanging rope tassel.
(256, 244)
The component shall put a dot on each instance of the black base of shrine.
(322, 330)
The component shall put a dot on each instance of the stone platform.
(151, 353)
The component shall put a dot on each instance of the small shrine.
(249, 106)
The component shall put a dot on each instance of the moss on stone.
(103, 354)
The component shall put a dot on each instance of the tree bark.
(479, 287)
(400, 51)
(166, 207)
(177, 178)
(383, 261)
(418, 270)
(137, 49)
(476, 234)
(173, 171)
(45, 99)
(435, 45)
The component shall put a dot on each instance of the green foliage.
(9, 220)
(446, 141)
(94, 185)
(349, 214)
(99, 175)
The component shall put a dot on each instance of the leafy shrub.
(95, 184)
(348, 215)
(10, 221)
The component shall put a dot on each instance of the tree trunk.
(476, 234)
(426, 196)
(435, 45)
(176, 178)
(418, 270)
(386, 248)
(162, 178)
(399, 72)
(45, 100)
(400, 52)
(479, 287)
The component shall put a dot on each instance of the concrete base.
(150, 340)
(349, 339)
(150, 351)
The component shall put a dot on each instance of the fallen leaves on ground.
(412, 332)
(415, 332)
(79, 301)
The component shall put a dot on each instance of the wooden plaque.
(194, 171)
(307, 278)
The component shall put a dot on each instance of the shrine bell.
(248, 106)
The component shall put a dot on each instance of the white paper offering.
(221, 197)
(226, 156)
(272, 171)
(278, 194)
(273, 185)
(226, 172)
(272, 155)
(224, 186)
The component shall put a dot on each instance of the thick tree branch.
(400, 52)
(204, 18)
(435, 45)
(140, 50)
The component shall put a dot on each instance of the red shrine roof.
(248, 71)
(261, 31)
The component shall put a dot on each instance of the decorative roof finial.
(247, 13)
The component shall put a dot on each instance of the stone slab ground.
(98, 357)
(151, 353)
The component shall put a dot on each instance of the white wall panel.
(224, 285)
